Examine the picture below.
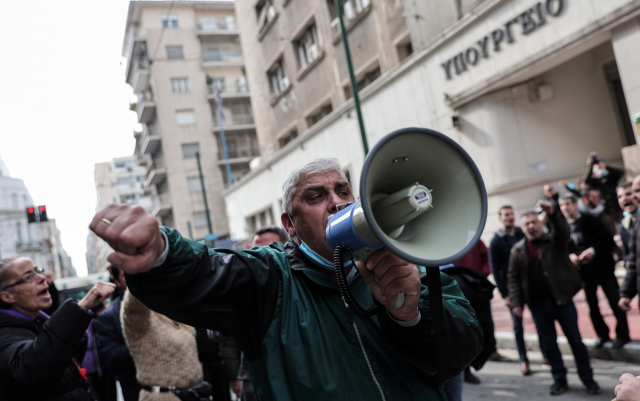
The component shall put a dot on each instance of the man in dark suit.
(630, 213)
(591, 251)
(630, 285)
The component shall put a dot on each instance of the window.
(404, 49)
(319, 114)
(293, 134)
(265, 12)
(193, 184)
(169, 21)
(308, 46)
(180, 85)
(350, 10)
(185, 117)
(174, 52)
(190, 149)
(278, 77)
(200, 219)
(365, 80)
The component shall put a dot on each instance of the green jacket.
(292, 325)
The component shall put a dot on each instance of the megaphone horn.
(422, 197)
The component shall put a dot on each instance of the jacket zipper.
(366, 358)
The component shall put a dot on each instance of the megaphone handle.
(397, 301)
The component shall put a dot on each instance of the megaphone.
(422, 197)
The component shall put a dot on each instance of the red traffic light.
(30, 210)
(42, 208)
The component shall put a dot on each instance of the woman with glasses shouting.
(41, 356)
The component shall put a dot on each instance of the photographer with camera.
(604, 178)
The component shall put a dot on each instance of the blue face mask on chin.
(319, 260)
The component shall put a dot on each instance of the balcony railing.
(161, 200)
(149, 130)
(231, 89)
(234, 119)
(352, 9)
(228, 54)
(30, 246)
(156, 164)
(239, 152)
(216, 26)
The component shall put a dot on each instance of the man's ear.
(288, 226)
(7, 297)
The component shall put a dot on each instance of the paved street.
(502, 380)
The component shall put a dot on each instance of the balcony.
(161, 205)
(222, 56)
(236, 90)
(150, 140)
(234, 122)
(214, 28)
(238, 155)
(140, 71)
(157, 172)
(353, 11)
(146, 107)
(30, 246)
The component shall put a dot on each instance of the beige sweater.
(165, 352)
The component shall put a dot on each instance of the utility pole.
(204, 194)
(354, 85)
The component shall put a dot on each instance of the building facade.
(527, 87)
(38, 241)
(121, 180)
(296, 63)
(178, 53)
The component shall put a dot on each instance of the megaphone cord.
(343, 285)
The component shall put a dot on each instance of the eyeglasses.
(27, 279)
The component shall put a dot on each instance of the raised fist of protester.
(387, 275)
(97, 295)
(546, 206)
(134, 235)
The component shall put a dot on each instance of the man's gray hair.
(315, 166)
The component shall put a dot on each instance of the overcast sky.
(64, 105)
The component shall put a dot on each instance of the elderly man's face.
(314, 200)
(29, 297)
(532, 226)
(626, 200)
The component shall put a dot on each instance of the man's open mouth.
(44, 293)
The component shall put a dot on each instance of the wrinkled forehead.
(327, 179)
(530, 219)
(20, 266)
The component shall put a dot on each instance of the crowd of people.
(187, 322)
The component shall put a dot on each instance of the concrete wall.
(518, 141)
(371, 38)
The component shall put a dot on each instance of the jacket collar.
(299, 262)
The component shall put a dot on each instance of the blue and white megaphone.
(422, 197)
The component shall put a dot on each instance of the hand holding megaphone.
(387, 276)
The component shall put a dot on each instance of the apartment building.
(121, 180)
(39, 241)
(296, 63)
(178, 54)
(527, 87)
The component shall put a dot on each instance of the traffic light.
(31, 214)
(43, 213)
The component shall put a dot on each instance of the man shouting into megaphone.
(283, 307)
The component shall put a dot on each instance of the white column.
(626, 46)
